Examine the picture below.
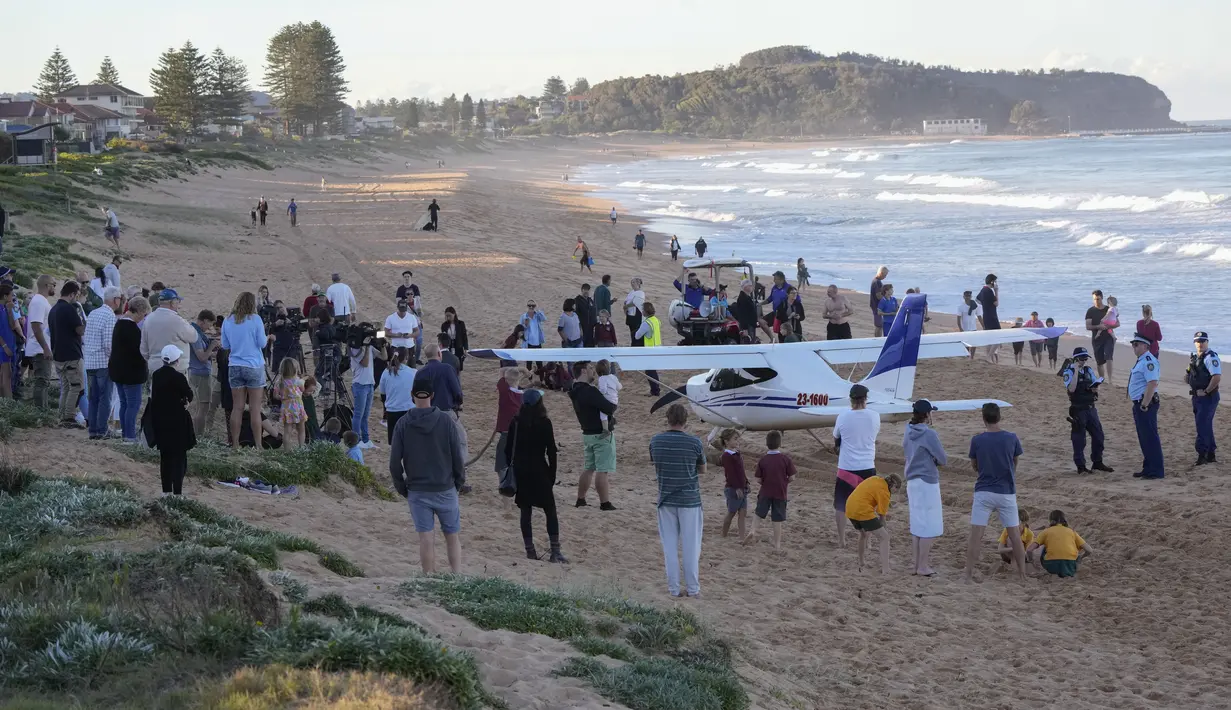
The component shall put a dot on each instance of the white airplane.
(793, 385)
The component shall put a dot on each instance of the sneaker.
(1139, 474)
(368, 445)
(383, 423)
(1100, 466)
(581, 503)
(95, 437)
(1200, 460)
(607, 506)
(466, 489)
(80, 418)
(557, 558)
(1209, 458)
(1082, 469)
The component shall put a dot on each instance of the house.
(578, 103)
(549, 109)
(150, 124)
(32, 146)
(33, 113)
(347, 123)
(98, 124)
(368, 124)
(955, 126)
(113, 98)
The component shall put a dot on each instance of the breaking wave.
(1040, 202)
(663, 186)
(859, 155)
(951, 181)
(682, 211)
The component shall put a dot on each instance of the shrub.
(293, 590)
(14, 479)
(594, 646)
(276, 687)
(333, 605)
(16, 414)
(654, 637)
(494, 603)
(661, 684)
(65, 507)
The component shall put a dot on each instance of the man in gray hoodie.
(425, 459)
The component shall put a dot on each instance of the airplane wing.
(904, 407)
(932, 345)
(699, 357)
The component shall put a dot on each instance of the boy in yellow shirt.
(868, 508)
(1062, 547)
(1005, 548)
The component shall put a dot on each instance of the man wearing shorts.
(425, 460)
(993, 455)
(600, 448)
(1102, 341)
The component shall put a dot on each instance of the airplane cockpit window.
(728, 379)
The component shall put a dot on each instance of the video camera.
(358, 335)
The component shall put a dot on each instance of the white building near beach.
(955, 126)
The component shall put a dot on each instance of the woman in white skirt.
(924, 456)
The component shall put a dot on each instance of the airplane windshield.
(731, 379)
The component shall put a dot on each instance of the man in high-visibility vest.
(652, 335)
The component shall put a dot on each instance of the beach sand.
(1143, 626)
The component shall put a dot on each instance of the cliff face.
(792, 90)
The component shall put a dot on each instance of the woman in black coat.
(456, 328)
(167, 421)
(790, 316)
(531, 446)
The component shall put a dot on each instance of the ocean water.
(1145, 218)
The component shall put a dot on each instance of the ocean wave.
(787, 169)
(676, 209)
(1054, 223)
(951, 181)
(894, 178)
(859, 155)
(1159, 248)
(755, 190)
(1194, 197)
(1136, 203)
(957, 140)
(1196, 249)
(775, 193)
(915, 145)
(1094, 239)
(1220, 254)
(729, 164)
(820, 153)
(691, 188)
(845, 174)
(1042, 202)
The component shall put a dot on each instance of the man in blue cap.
(1081, 382)
(1143, 391)
(1204, 376)
(165, 326)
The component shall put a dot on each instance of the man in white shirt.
(38, 338)
(968, 316)
(342, 298)
(854, 434)
(96, 351)
(401, 329)
(112, 230)
(112, 272)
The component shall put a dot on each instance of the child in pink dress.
(1112, 319)
(294, 417)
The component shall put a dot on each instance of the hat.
(423, 387)
(531, 397)
(1199, 336)
(859, 392)
(923, 406)
(6, 273)
(1139, 338)
(1080, 352)
(321, 292)
(168, 294)
(171, 353)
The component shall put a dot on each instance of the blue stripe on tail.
(901, 347)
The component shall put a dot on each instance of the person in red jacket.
(509, 397)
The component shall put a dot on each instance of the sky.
(492, 48)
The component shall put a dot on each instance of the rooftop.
(97, 90)
(26, 109)
(94, 113)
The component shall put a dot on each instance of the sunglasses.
(531, 305)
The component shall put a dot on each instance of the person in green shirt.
(602, 295)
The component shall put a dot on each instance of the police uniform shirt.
(1071, 371)
(1144, 372)
(1212, 365)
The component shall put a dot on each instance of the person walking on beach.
(599, 444)
(675, 248)
(293, 211)
(837, 315)
(924, 457)
(875, 295)
(112, 227)
(531, 449)
(342, 299)
(1102, 340)
(679, 461)
(1149, 327)
(639, 243)
(989, 300)
(614, 216)
(802, 275)
(262, 208)
(1204, 377)
(633, 303)
(968, 317)
(434, 215)
(428, 469)
(993, 456)
(701, 246)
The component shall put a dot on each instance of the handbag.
(508, 480)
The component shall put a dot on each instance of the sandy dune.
(1143, 626)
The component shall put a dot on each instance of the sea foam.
(1040, 202)
(690, 188)
(680, 210)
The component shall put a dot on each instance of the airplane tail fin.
(893, 374)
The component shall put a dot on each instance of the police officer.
(1203, 377)
(1082, 383)
(1143, 390)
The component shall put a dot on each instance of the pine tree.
(450, 110)
(56, 76)
(304, 75)
(107, 73)
(227, 88)
(394, 107)
(581, 86)
(480, 117)
(410, 113)
(180, 83)
(467, 110)
(382, 108)
(554, 89)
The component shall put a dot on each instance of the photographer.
(327, 347)
(1082, 383)
(285, 328)
(363, 385)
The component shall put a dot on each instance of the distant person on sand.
(887, 308)
(1036, 346)
(428, 468)
(875, 295)
(586, 261)
(993, 456)
(802, 275)
(675, 248)
(293, 210)
(531, 449)
(614, 216)
(855, 438)
(701, 246)
(924, 457)
(1019, 345)
(679, 459)
(434, 214)
(837, 315)
(639, 243)
(989, 300)
(112, 228)
(262, 209)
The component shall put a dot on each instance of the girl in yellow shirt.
(867, 509)
(1005, 548)
(1062, 547)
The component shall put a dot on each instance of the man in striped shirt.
(96, 351)
(679, 460)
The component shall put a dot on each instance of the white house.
(549, 109)
(368, 124)
(955, 126)
(113, 98)
(98, 124)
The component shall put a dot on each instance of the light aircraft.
(793, 385)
